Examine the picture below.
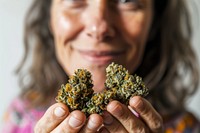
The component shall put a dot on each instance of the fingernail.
(59, 112)
(116, 109)
(137, 103)
(91, 124)
(134, 112)
(74, 122)
(134, 100)
(107, 118)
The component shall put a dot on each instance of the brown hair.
(41, 80)
(169, 61)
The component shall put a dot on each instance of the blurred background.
(11, 49)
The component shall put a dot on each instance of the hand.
(57, 119)
(123, 120)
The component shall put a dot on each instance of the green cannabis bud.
(120, 85)
(77, 91)
(97, 104)
(126, 85)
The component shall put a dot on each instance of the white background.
(11, 49)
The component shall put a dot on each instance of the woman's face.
(91, 34)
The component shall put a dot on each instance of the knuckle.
(158, 125)
(140, 129)
(126, 117)
(117, 129)
(136, 126)
(43, 125)
(38, 129)
(131, 123)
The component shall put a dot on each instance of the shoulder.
(184, 122)
(19, 117)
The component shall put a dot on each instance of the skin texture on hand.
(124, 120)
(57, 119)
(117, 118)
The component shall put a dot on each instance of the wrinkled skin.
(91, 34)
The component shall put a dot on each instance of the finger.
(129, 121)
(95, 121)
(72, 124)
(147, 113)
(103, 130)
(111, 124)
(52, 117)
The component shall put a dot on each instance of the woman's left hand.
(121, 119)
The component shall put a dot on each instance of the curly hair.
(169, 66)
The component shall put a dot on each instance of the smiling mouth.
(100, 57)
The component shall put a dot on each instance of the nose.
(99, 22)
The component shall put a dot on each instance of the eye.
(125, 1)
(75, 3)
(128, 4)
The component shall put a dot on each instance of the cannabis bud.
(97, 104)
(126, 85)
(78, 93)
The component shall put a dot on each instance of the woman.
(145, 36)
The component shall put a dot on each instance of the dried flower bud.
(121, 86)
(126, 85)
(77, 91)
(97, 104)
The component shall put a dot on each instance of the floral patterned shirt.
(183, 123)
(20, 119)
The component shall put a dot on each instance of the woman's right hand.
(58, 119)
